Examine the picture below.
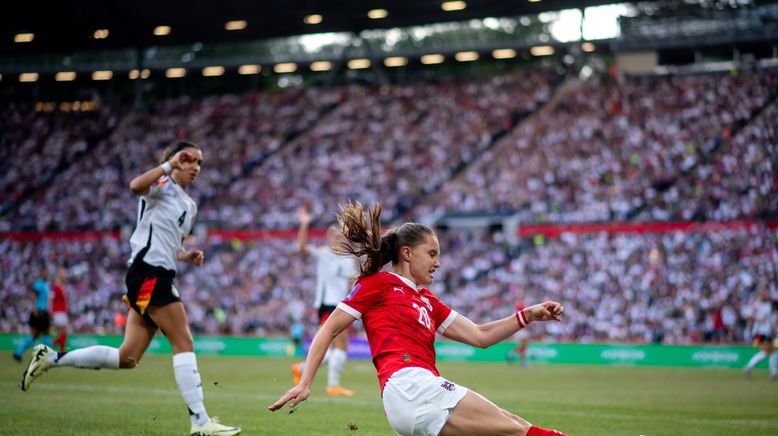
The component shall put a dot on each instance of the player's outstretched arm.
(336, 323)
(302, 232)
(486, 335)
(142, 184)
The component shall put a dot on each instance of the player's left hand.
(545, 311)
(293, 396)
(196, 257)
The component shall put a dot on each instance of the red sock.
(540, 431)
(61, 341)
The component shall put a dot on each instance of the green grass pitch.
(580, 400)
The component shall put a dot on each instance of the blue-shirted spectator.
(39, 317)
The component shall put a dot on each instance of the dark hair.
(171, 150)
(377, 250)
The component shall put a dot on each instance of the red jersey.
(400, 321)
(59, 301)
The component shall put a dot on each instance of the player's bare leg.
(172, 320)
(138, 334)
(475, 415)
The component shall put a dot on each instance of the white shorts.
(59, 319)
(417, 402)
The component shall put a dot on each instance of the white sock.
(758, 357)
(338, 359)
(188, 379)
(97, 356)
(773, 363)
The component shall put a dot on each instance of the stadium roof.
(74, 25)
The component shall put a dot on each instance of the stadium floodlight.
(321, 66)
(588, 47)
(235, 25)
(285, 67)
(542, 50)
(134, 74)
(249, 69)
(504, 53)
(101, 34)
(535, 1)
(28, 77)
(24, 37)
(175, 73)
(453, 6)
(432, 59)
(313, 19)
(102, 75)
(396, 61)
(466, 56)
(161, 30)
(359, 64)
(213, 71)
(377, 14)
(65, 76)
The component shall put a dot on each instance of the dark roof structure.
(70, 25)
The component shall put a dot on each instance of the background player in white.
(166, 214)
(335, 276)
(763, 321)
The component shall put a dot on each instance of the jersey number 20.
(424, 316)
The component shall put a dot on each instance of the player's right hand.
(293, 396)
(303, 215)
(181, 158)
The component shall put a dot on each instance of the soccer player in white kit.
(762, 329)
(334, 277)
(166, 214)
(401, 318)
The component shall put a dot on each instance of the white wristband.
(167, 168)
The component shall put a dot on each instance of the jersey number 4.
(181, 219)
(424, 316)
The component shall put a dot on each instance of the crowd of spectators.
(650, 148)
(739, 180)
(34, 144)
(385, 144)
(235, 131)
(677, 288)
(604, 147)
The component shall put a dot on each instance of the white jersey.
(165, 217)
(763, 318)
(334, 276)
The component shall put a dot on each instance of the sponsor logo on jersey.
(353, 291)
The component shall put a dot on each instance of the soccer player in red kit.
(59, 310)
(401, 318)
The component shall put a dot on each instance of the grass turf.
(579, 400)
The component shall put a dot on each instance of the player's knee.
(517, 425)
